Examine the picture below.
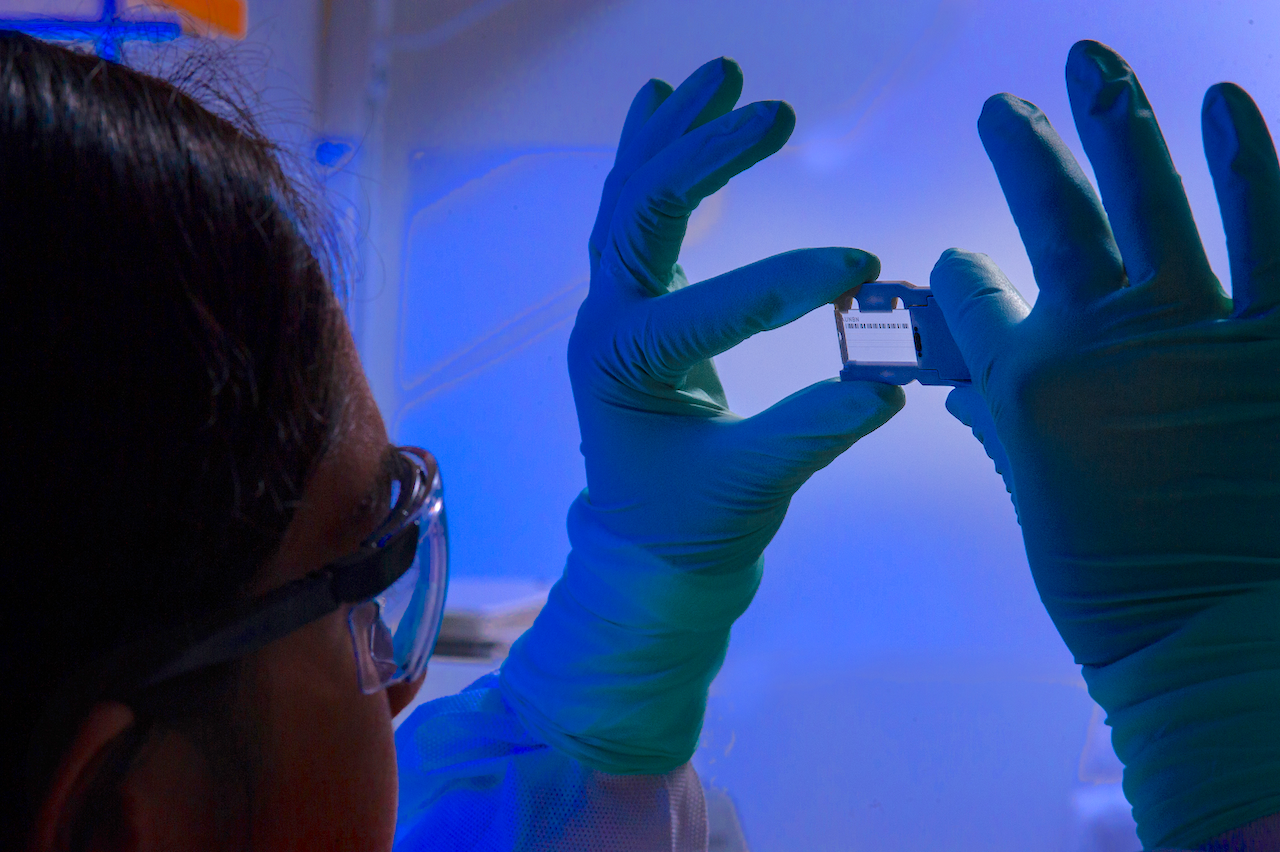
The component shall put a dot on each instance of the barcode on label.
(880, 337)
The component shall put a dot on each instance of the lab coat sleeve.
(473, 778)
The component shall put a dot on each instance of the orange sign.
(210, 17)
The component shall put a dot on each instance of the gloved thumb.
(980, 306)
(969, 407)
(782, 446)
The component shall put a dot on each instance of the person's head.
(186, 427)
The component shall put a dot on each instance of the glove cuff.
(616, 668)
(1195, 718)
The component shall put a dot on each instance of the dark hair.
(170, 375)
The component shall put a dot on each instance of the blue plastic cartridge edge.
(938, 359)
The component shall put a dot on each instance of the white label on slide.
(880, 337)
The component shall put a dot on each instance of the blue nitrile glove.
(1140, 409)
(682, 494)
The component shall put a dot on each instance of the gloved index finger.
(1142, 192)
(657, 118)
(694, 323)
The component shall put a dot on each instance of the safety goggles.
(396, 583)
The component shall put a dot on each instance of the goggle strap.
(260, 622)
(354, 580)
(257, 624)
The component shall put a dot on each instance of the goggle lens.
(396, 630)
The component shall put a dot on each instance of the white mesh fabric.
(472, 778)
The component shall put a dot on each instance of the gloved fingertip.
(997, 103)
(893, 396)
(656, 89)
(953, 261)
(999, 108)
(1225, 105)
(1213, 98)
(644, 104)
(876, 395)
(782, 114)
(730, 70)
(1232, 95)
(722, 78)
(1217, 125)
(777, 120)
(863, 266)
(1098, 79)
(1089, 59)
(1079, 53)
(712, 72)
(1006, 119)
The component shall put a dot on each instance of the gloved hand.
(682, 494)
(1140, 409)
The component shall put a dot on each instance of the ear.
(76, 771)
